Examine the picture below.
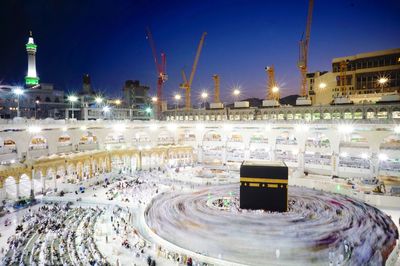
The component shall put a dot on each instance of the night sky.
(107, 40)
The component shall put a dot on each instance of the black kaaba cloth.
(264, 185)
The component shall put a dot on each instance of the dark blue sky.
(107, 40)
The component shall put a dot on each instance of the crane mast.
(216, 89)
(303, 57)
(270, 83)
(162, 76)
(187, 84)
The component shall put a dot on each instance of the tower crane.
(272, 88)
(216, 89)
(187, 84)
(303, 57)
(162, 76)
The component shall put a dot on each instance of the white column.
(43, 180)
(55, 181)
(2, 193)
(32, 184)
(17, 189)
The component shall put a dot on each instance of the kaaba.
(264, 185)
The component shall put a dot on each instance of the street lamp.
(98, 100)
(204, 96)
(148, 110)
(36, 106)
(177, 99)
(236, 93)
(154, 99)
(18, 92)
(117, 102)
(72, 99)
(106, 109)
(382, 81)
(322, 85)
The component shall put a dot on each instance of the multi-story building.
(135, 94)
(362, 78)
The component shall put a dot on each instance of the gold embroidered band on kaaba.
(263, 182)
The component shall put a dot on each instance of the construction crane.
(272, 88)
(303, 57)
(162, 76)
(216, 89)
(187, 84)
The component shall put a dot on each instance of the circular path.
(319, 228)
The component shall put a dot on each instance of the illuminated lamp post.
(18, 92)
(72, 99)
(382, 81)
(204, 96)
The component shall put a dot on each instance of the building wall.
(362, 74)
(144, 135)
(135, 94)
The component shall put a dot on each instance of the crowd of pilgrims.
(63, 234)
(55, 234)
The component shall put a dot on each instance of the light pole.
(236, 93)
(72, 99)
(204, 96)
(382, 81)
(156, 107)
(36, 106)
(177, 98)
(106, 110)
(275, 91)
(117, 102)
(98, 100)
(18, 92)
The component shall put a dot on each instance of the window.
(382, 115)
(358, 115)
(316, 116)
(298, 116)
(347, 115)
(336, 115)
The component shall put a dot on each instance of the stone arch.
(114, 137)
(235, 148)
(389, 159)
(10, 186)
(37, 180)
(259, 147)
(38, 142)
(211, 135)
(186, 135)
(50, 178)
(354, 155)
(24, 186)
(165, 137)
(318, 154)
(286, 148)
(286, 138)
(8, 145)
(317, 140)
(212, 148)
(64, 140)
(117, 163)
(88, 138)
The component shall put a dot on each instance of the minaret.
(31, 78)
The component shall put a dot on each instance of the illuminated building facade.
(366, 77)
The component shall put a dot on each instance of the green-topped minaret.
(31, 78)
